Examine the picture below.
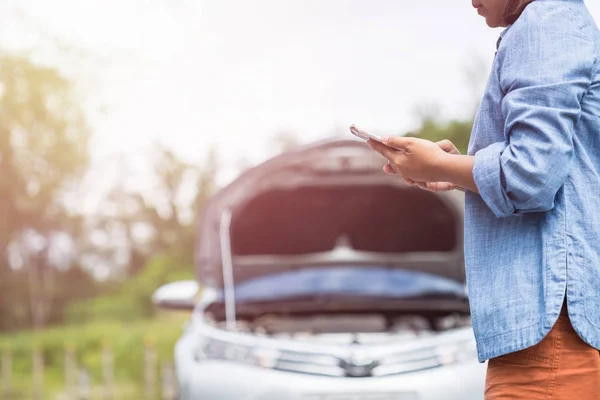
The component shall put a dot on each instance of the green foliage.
(72, 285)
(43, 153)
(167, 216)
(106, 307)
(126, 341)
(458, 132)
(132, 299)
(160, 270)
(43, 147)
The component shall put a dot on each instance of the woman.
(532, 215)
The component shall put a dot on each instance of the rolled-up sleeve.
(545, 68)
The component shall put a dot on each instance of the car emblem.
(358, 365)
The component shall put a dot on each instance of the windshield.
(364, 282)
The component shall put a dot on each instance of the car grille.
(309, 363)
(360, 365)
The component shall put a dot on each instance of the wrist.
(445, 166)
(458, 169)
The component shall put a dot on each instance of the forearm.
(458, 169)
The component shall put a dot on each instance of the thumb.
(397, 142)
(447, 146)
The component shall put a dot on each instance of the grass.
(125, 340)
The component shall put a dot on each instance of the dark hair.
(513, 10)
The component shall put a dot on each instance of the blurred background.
(119, 119)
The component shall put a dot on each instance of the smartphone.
(364, 135)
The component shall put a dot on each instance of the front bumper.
(220, 380)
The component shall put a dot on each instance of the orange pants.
(560, 367)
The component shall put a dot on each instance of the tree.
(164, 253)
(458, 132)
(43, 154)
(131, 227)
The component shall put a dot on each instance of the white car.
(326, 279)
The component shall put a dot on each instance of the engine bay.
(298, 327)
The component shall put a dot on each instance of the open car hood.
(328, 204)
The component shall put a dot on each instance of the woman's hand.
(412, 158)
(449, 148)
(426, 164)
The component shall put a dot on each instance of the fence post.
(70, 371)
(107, 370)
(168, 381)
(85, 390)
(38, 373)
(6, 374)
(150, 368)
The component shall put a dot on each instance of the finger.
(412, 182)
(447, 146)
(440, 186)
(387, 168)
(390, 166)
(431, 186)
(416, 183)
(397, 142)
(447, 186)
(386, 151)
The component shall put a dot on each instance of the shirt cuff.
(489, 179)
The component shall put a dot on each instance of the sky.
(232, 73)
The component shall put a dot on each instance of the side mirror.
(180, 295)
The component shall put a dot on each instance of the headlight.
(302, 362)
(214, 349)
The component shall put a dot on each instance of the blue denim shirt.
(532, 234)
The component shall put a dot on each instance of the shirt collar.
(502, 35)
